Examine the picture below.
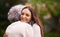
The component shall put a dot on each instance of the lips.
(24, 20)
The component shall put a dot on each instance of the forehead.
(26, 10)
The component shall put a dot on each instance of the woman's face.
(25, 15)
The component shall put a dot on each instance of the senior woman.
(17, 28)
(28, 15)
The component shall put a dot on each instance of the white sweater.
(19, 29)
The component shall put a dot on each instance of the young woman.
(29, 16)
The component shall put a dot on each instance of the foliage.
(49, 4)
(52, 34)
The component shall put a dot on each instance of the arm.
(37, 31)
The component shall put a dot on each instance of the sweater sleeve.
(37, 31)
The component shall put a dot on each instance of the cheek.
(29, 18)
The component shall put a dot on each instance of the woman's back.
(19, 29)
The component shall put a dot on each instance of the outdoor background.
(49, 11)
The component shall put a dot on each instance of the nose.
(24, 16)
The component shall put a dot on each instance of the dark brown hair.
(36, 18)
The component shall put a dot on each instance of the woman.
(29, 16)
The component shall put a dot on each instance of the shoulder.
(36, 26)
(12, 25)
(18, 24)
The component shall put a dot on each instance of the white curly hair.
(14, 12)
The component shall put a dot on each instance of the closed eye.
(27, 15)
(22, 13)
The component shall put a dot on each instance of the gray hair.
(14, 12)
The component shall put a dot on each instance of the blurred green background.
(49, 11)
